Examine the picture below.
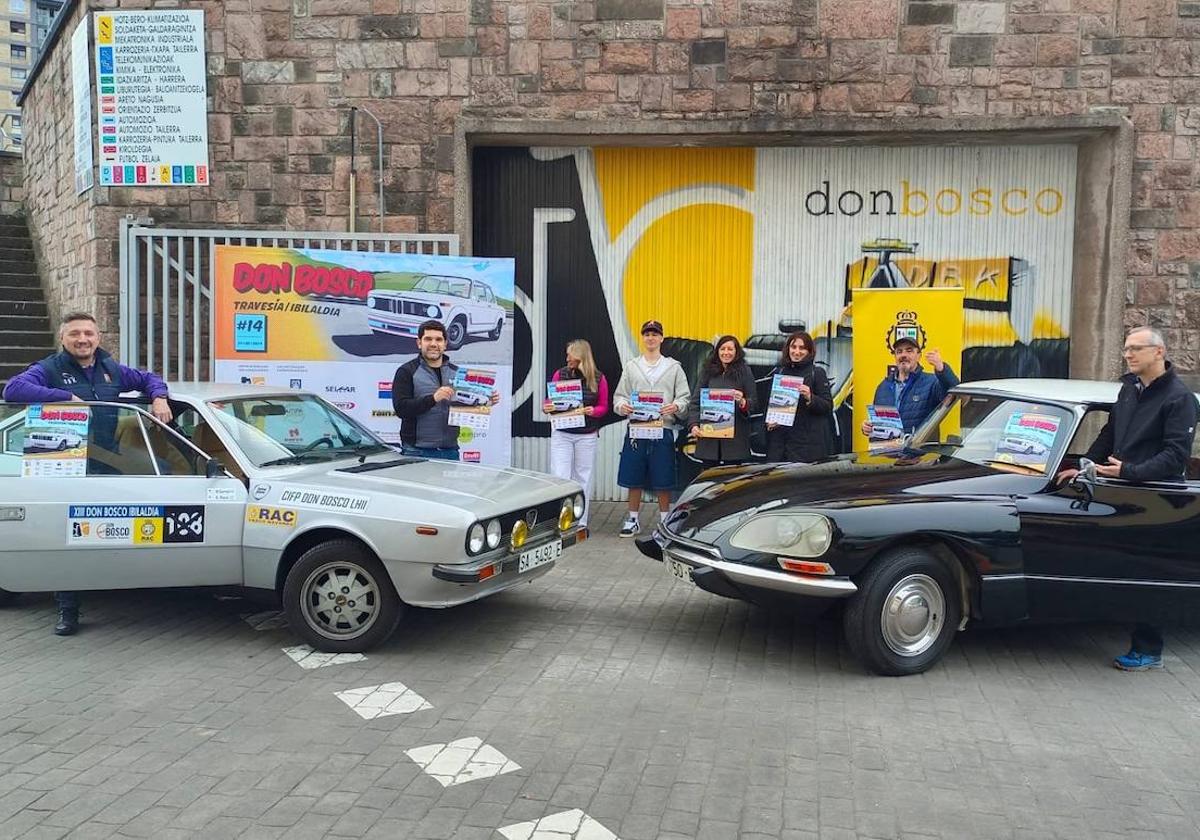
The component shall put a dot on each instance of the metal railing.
(166, 283)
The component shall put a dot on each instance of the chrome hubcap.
(341, 600)
(913, 614)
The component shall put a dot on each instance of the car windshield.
(292, 429)
(454, 286)
(1003, 433)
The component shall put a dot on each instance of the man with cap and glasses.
(914, 392)
(650, 463)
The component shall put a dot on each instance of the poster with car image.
(886, 424)
(339, 323)
(784, 399)
(55, 441)
(471, 405)
(716, 413)
(1027, 439)
(645, 418)
(564, 404)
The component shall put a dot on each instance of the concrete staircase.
(25, 334)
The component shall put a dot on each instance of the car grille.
(412, 307)
(383, 304)
(547, 518)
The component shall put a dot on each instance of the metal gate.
(166, 285)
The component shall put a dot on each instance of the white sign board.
(81, 86)
(152, 90)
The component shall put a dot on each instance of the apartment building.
(24, 25)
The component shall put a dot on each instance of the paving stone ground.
(655, 709)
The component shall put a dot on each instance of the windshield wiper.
(362, 450)
(299, 458)
(992, 462)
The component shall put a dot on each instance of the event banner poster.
(153, 92)
(81, 91)
(339, 323)
(931, 317)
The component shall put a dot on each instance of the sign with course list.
(152, 90)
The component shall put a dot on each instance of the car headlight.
(370, 301)
(493, 533)
(577, 504)
(476, 537)
(789, 534)
(432, 311)
(520, 533)
(566, 515)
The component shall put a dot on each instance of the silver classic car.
(272, 490)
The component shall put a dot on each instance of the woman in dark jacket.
(727, 369)
(810, 437)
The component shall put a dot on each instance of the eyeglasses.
(1137, 348)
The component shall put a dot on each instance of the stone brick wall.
(283, 74)
(12, 184)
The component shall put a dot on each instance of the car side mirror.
(1084, 480)
(213, 468)
(1087, 471)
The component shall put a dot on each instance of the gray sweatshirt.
(671, 381)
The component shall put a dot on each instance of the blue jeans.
(444, 453)
(67, 600)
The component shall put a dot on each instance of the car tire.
(456, 333)
(7, 597)
(494, 335)
(62, 445)
(905, 613)
(316, 576)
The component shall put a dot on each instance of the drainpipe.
(353, 178)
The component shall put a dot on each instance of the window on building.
(17, 51)
(18, 7)
(18, 74)
(16, 27)
(16, 122)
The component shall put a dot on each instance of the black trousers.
(1147, 639)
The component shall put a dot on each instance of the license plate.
(680, 570)
(539, 556)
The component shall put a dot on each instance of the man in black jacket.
(1148, 437)
(421, 393)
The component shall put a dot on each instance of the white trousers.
(573, 456)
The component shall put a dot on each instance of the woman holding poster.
(573, 444)
(720, 408)
(809, 437)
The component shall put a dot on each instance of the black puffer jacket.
(810, 438)
(739, 378)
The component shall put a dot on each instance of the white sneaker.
(630, 527)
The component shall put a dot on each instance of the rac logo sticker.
(283, 517)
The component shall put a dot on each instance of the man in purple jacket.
(80, 371)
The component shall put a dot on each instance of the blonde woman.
(573, 451)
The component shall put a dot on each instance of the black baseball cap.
(904, 339)
(652, 326)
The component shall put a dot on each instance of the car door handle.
(12, 514)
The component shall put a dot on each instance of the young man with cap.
(913, 391)
(650, 463)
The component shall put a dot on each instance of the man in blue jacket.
(81, 371)
(913, 391)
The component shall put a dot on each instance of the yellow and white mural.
(758, 241)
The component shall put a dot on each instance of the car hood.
(731, 494)
(456, 491)
(432, 297)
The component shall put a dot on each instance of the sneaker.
(1135, 661)
(630, 527)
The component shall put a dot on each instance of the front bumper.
(503, 562)
(406, 326)
(737, 580)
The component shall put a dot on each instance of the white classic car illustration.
(278, 492)
(781, 399)
(467, 307)
(51, 441)
(715, 415)
(470, 398)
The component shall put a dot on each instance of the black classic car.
(961, 523)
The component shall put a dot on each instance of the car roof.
(228, 390)
(1078, 391)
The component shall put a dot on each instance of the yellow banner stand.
(933, 317)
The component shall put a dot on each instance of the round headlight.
(565, 517)
(493, 533)
(370, 301)
(577, 505)
(520, 533)
(475, 539)
(789, 534)
(432, 311)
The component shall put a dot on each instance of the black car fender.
(978, 538)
